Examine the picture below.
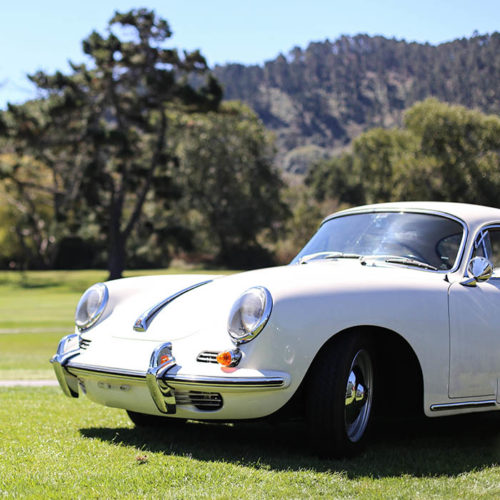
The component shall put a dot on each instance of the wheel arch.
(399, 377)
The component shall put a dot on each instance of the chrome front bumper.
(161, 378)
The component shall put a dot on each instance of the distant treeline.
(319, 99)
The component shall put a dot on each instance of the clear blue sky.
(45, 34)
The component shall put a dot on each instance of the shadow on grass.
(417, 447)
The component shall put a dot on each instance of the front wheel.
(340, 396)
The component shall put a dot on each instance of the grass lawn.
(52, 446)
(56, 447)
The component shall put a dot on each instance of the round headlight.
(249, 314)
(91, 306)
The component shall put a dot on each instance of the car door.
(475, 327)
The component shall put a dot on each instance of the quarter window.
(488, 245)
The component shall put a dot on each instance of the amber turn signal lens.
(164, 359)
(225, 358)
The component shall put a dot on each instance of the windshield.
(427, 238)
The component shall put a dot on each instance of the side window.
(479, 250)
(447, 250)
(488, 245)
(494, 249)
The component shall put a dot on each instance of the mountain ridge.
(318, 99)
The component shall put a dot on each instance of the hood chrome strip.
(144, 320)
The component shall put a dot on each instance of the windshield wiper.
(328, 255)
(410, 262)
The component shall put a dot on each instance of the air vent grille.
(84, 343)
(207, 357)
(205, 401)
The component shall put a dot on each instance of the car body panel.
(474, 333)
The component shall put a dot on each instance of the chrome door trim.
(463, 405)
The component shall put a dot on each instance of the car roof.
(472, 215)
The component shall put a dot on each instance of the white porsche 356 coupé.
(388, 306)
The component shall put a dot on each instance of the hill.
(318, 99)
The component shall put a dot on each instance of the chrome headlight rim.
(93, 318)
(239, 339)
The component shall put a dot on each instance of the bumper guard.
(68, 348)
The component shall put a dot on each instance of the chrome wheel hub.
(358, 396)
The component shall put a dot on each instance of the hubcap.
(358, 395)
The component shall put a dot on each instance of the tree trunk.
(116, 256)
(117, 240)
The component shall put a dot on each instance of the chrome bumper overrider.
(159, 378)
(68, 348)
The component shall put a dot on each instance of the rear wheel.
(340, 396)
(145, 420)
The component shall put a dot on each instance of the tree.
(464, 146)
(123, 97)
(447, 153)
(42, 169)
(227, 174)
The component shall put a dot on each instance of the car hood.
(205, 309)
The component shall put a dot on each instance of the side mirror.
(479, 269)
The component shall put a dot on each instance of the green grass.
(27, 355)
(37, 309)
(56, 447)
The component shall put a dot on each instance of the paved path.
(28, 383)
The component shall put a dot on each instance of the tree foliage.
(42, 170)
(227, 175)
(129, 156)
(110, 116)
(330, 92)
(444, 152)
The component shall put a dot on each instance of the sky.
(45, 34)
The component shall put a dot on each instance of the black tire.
(153, 421)
(339, 397)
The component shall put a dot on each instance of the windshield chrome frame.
(460, 253)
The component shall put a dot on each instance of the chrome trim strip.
(460, 253)
(225, 381)
(182, 379)
(111, 372)
(144, 320)
(464, 405)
